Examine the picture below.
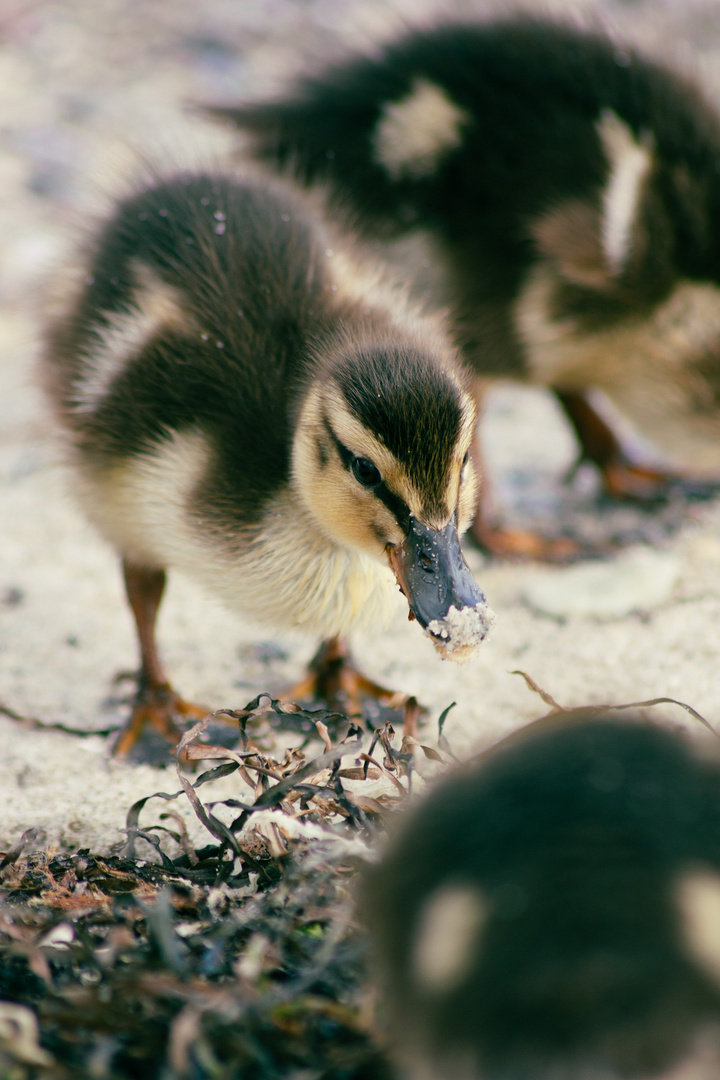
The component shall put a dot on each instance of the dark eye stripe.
(397, 506)
(344, 454)
(321, 452)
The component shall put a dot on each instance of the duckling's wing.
(466, 119)
(192, 322)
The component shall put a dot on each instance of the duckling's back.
(195, 316)
(474, 129)
(570, 189)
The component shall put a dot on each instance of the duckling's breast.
(290, 572)
(280, 569)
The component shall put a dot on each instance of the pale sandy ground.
(86, 84)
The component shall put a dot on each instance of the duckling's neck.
(287, 572)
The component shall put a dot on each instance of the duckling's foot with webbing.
(622, 477)
(156, 711)
(157, 707)
(508, 543)
(333, 678)
(522, 544)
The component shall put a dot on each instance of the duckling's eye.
(365, 472)
(465, 459)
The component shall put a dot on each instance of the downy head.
(381, 458)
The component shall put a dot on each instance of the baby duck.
(552, 911)
(242, 404)
(570, 190)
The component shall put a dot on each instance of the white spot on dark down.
(415, 133)
(630, 162)
(156, 305)
(698, 897)
(449, 928)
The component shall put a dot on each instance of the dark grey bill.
(431, 571)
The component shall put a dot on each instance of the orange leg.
(156, 705)
(623, 478)
(511, 543)
(333, 678)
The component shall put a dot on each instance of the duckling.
(241, 404)
(569, 189)
(552, 910)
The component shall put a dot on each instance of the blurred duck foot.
(152, 732)
(332, 678)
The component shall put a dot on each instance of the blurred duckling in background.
(245, 404)
(570, 190)
(553, 911)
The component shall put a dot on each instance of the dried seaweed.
(240, 958)
(55, 725)
(586, 711)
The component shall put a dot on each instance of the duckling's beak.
(442, 593)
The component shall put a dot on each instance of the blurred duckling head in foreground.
(553, 912)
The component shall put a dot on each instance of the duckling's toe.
(152, 731)
(519, 544)
(623, 477)
(625, 480)
(333, 678)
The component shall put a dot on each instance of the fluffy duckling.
(552, 911)
(570, 189)
(243, 405)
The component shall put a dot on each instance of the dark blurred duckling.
(553, 912)
(243, 405)
(571, 191)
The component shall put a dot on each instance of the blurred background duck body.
(568, 187)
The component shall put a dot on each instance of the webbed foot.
(520, 544)
(152, 732)
(333, 678)
(624, 479)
